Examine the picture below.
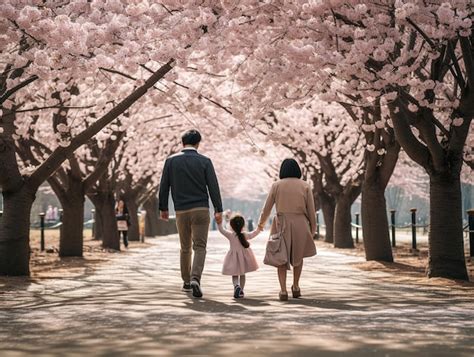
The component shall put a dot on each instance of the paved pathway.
(132, 305)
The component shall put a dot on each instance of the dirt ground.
(408, 265)
(48, 264)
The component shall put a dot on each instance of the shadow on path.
(132, 305)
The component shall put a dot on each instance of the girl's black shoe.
(237, 291)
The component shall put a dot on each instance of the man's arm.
(213, 187)
(164, 188)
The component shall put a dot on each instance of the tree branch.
(104, 160)
(202, 96)
(16, 88)
(432, 118)
(421, 32)
(332, 180)
(389, 161)
(428, 132)
(458, 136)
(58, 188)
(55, 160)
(42, 148)
(414, 149)
(49, 107)
(458, 75)
(467, 53)
(113, 71)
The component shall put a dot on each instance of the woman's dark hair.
(237, 223)
(290, 168)
(191, 137)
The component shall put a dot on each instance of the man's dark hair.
(191, 137)
(290, 168)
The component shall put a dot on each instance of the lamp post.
(392, 223)
(41, 216)
(413, 229)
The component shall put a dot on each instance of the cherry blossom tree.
(75, 40)
(415, 58)
(140, 160)
(330, 146)
(402, 69)
(380, 158)
(47, 130)
(423, 54)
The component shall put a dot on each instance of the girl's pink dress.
(239, 260)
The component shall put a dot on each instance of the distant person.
(240, 258)
(250, 224)
(49, 216)
(141, 225)
(295, 220)
(192, 179)
(123, 220)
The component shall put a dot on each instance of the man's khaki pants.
(193, 227)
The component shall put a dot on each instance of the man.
(192, 180)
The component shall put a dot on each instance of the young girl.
(240, 258)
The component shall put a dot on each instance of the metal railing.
(43, 226)
(468, 228)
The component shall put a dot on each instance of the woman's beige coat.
(294, 203)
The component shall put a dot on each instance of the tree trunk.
(104, 203)
(134, 228)
(71, 195)
(446, 243)
(342, 223)
(151, 217)
(98, 225)
(15, 232)
(71, 236)
(110, 234)
(375, 228)
(14, 226)
(328, 206)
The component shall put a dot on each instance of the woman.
(294, 203)
(123, 220)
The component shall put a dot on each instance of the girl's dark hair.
(290, 168)
(237, 223)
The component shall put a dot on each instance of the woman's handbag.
(276, 253)
(122, 225)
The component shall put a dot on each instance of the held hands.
(218, 217)
(164, 215)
